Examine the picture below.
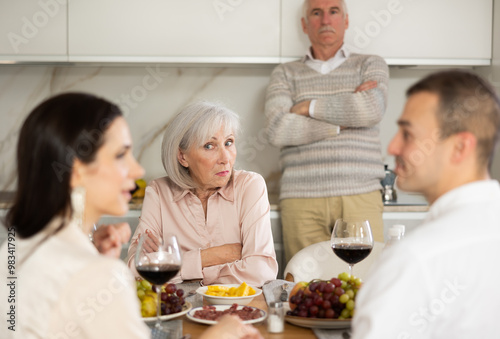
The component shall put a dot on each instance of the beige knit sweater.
(316, 161)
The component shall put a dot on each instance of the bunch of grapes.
(172, 298)
(331, 299)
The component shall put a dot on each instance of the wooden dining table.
(290, 332)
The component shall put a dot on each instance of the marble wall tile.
(150, 95)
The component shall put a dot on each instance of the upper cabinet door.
(33, 30)
(173, 30)
(438, 32)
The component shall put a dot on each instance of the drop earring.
(78, 205)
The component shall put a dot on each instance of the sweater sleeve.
(361, 109)
(284, 128)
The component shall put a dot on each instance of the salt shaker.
(276, 317)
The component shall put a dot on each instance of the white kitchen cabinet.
(406, 32)
(175, 31)
(33, 30)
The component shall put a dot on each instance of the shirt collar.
(343, 52)
(226, 192)
(465, 195)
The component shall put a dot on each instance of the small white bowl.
(217, 300)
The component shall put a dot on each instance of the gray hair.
(305, 9)
(193, 126)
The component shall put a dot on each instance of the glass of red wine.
(158, 259)
(352, 240)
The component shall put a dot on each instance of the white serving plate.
(216, 300)
(191, 316)
(185, 309)
(318, 323)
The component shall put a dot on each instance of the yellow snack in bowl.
(219, 291)
(224, 291)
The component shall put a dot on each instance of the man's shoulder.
(294, 64)
(360, 57)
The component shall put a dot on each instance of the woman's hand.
(108, 239)
(219, 255)
(231, 327)
(151, 243)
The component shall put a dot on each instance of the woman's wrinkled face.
(211, 164)
(109, 179)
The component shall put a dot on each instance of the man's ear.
(346, 21)
(181, 157)
(465, 146)
(304, 25)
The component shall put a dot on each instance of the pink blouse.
(237, 213)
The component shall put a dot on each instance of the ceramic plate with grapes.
(318, 323)
(185, 309)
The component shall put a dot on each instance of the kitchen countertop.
(406, 202)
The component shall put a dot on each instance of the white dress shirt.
(441, 280)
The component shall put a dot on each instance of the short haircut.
(194, 125)
(467, 103)
(305, 9)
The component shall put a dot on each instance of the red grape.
(329, 313)
(329, 288)
(336, 282)
(339, 291)
(170, 288)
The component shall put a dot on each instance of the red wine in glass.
(158, 275)
(158, 259)
(352, 240)
(352, 253)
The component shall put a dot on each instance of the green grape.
(349, 305)
(345, 313)
(141, 294)
(350, 293)
(344, 298)
(146, 284)
(344, 285)
(148, 307)
(344, 276)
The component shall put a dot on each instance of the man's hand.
(302, 108)
(365, 86)
(219, 255)
(108, 239)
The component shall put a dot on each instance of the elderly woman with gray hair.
(219, 215)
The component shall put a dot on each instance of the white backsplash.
(150, 95)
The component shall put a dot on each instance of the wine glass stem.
(350, 269)
(158, 307)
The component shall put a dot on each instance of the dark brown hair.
(57, 131)
(467, 103)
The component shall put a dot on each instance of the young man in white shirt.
(440, 281)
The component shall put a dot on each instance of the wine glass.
(352, 240)
(158, 260)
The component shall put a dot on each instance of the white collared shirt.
(325, 67)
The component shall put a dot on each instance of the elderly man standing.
(440, 281)
(323, 112)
